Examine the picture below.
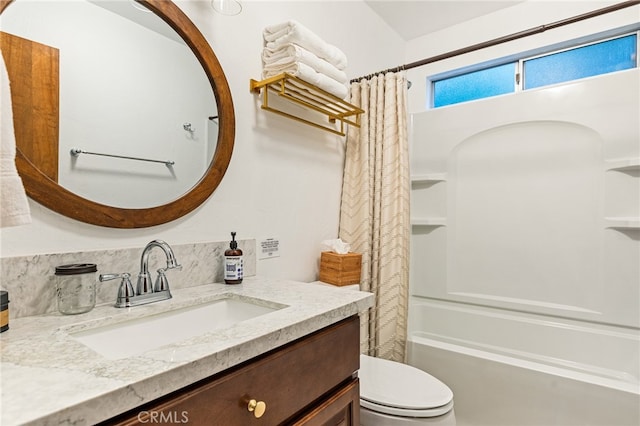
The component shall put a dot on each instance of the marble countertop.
(48, 377)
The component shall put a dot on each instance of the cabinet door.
(288, 380)
(342, 408)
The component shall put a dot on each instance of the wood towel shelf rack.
(298, 91)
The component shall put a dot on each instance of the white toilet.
(392, 393)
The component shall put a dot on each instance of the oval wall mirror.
(111, 105)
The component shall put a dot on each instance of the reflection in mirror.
(37, 133)
(128, 86)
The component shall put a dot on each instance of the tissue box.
(340, 269)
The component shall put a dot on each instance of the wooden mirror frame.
(48, 193)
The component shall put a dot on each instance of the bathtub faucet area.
(145, 291)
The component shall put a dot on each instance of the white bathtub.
(562, 373)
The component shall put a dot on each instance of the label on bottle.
(4, 320)
(233, 268)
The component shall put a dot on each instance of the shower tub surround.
(524, 256)
(49, 377)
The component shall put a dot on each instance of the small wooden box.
(340, 269)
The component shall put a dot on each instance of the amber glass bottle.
(233, 262)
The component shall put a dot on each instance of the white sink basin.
(137, 336)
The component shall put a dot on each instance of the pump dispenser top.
(233, 262)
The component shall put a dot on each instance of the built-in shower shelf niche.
(429, 178)
(622, 222)
(623, 164)
(429, 221)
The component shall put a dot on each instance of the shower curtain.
(374, 216)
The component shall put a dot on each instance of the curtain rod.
(504, 39)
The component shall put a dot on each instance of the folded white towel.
(283, 57)
(308, 74)
(278, 35)
(14, 208)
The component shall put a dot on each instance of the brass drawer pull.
(257, 407)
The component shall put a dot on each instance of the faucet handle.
(162, 283)
(109, 277)
(125, 291)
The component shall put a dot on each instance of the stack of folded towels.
(296, 50)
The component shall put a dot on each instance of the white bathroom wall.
(284, 179)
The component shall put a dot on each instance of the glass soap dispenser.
(76, 288)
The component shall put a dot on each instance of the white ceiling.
(411, 19)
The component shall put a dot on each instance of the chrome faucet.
(145, 293)
(144, 277)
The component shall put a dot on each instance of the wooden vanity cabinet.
(311, 381)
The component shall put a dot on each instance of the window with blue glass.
(474, 85)
(586, 61)
(579, 62)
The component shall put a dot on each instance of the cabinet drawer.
(288, 380)
(342, 408)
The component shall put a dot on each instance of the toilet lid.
(402, 386)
